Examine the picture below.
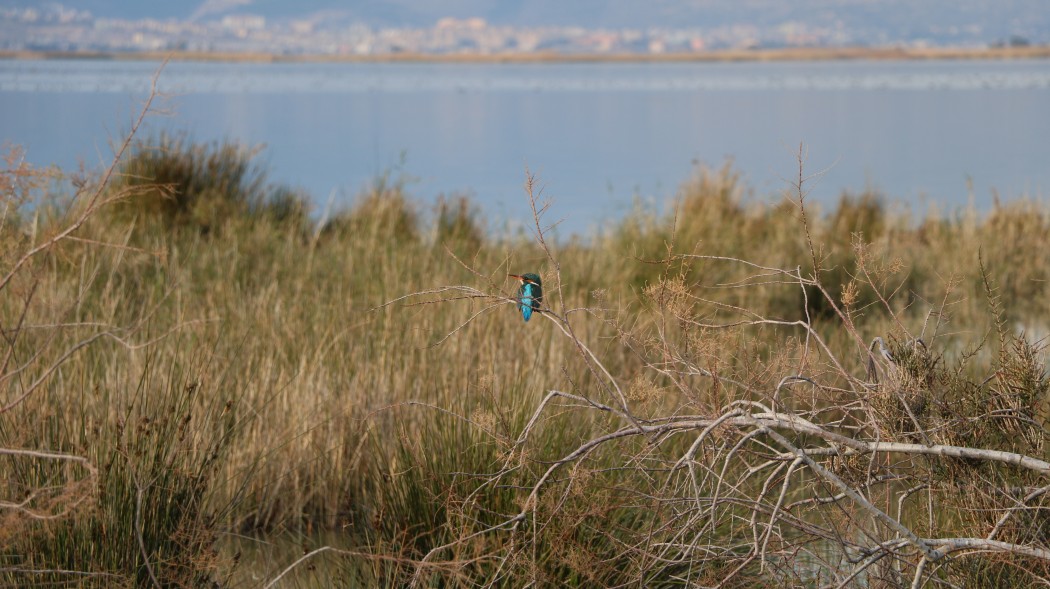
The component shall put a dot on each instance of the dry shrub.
(785, 449)
(181, 184)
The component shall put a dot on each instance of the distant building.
(242, 25)
(470, 24)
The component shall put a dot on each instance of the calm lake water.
(597, 135)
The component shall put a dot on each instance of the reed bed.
(191, 359)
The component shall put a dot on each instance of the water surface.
(597, 134)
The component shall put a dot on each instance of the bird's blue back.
(527, 300)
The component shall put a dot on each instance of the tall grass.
(245, 376)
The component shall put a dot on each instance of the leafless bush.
(766, 450)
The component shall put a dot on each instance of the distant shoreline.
(734, 55)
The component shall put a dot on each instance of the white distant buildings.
(243, 24)
(52, 27)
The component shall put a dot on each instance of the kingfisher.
(530, 294)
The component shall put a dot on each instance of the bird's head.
(528, 278)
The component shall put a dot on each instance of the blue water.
(597, 135)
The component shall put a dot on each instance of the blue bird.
(530, 294)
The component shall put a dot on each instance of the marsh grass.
(157, 447)
(182, 184)
(249, 377)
